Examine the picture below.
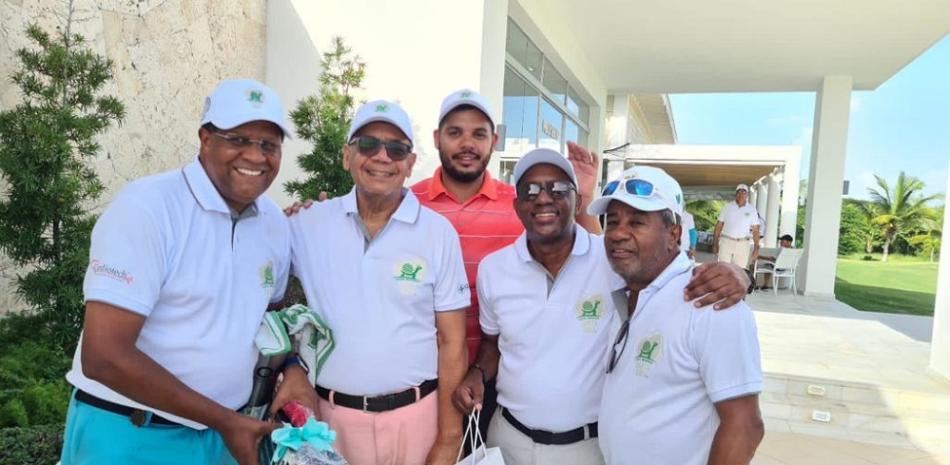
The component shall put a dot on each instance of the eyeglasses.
(619, 345)
(637, 187)
(237, 142)
(368, 146)
(530, 191)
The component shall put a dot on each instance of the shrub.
(38, 445)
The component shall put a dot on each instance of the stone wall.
(167, 55)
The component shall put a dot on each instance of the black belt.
(382, 403)
(136, 416)
(588, 431)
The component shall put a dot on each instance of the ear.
(435, 138)
(494, 141)
(577, 203)
(410, 161)
(204, 138)
(346, 158)
(675, 233)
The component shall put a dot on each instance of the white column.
(771, 212)
(790, 180)
(829, 145)
(761, 196)
(753, 196)
(619, 110)
(940, 341)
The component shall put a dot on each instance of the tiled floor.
(799, 449)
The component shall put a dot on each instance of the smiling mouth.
(249, 172)
(466, 157)
(380, 174)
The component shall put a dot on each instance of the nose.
(544, 197)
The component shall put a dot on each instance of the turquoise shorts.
(95, 437)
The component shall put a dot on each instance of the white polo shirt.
(688, 223)
(737, 222)
(678, 361)
(552, 334)
(378, 296)
(167, 248)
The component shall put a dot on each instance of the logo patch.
(649, 351)
(408, 273)
(256, 97)
(466, 94)
(382, 108)
(102, 269)
(267, 275)
(589, 312)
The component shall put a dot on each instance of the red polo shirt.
(485, 223)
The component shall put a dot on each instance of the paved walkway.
(801, 449)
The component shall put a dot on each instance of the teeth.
(248, 172)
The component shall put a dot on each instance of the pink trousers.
(398, 437)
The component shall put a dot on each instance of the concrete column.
(771, 212)
(940, 341)
(829, 145)
(619, 110)
(752, 195)
(790, 180)
(761, 196)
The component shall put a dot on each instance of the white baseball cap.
(466, 97)
(742, 187)
(238, 101)
(381, 111)
(666, 193)
(541, 156)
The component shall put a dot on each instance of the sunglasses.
(237, 142)
(620, 343)
(368, 146)
(637, 187)
(530, 191)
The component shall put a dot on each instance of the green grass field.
(902, 285)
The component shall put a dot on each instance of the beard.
(463, 176)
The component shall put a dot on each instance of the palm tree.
(869, 232)
(928, 240)
(900, 209)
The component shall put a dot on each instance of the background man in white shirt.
(731, 241)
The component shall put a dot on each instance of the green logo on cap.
(255, 96)
(466, 94)
(382, 108)
(678, 199)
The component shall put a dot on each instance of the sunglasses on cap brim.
(637, 187)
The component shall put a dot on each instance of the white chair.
(785, 266)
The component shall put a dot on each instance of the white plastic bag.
(480, 455)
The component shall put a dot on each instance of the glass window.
(523, 50)
(552, 124)
(520, 114)
(507, 170)
(554, 82)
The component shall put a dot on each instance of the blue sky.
(902, 125)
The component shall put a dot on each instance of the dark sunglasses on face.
(237, 142)
(368, 146)
(637, 187)
(556, 189)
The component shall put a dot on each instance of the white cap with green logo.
(645, 188)
(238, 101)
(381, 111)
(466, 97)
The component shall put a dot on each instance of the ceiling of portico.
(682, 46)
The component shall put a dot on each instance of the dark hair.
(786, 237)
(465, 107)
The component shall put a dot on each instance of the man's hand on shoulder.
(721, 283)
(297, 206)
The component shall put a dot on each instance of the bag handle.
(472, 433)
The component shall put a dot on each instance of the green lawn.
(902, 285)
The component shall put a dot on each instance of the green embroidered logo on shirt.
(267, 275)
(409, 272)
(589, 311)
(650, 351)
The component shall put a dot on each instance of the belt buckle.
(365, 404)
(138, 417)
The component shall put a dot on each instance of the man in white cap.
(737, 221)
(183, 265)
(387, 276)
(547, 320)
(682, 385)
(480, 207)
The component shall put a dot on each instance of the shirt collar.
(437, 188)
(679, 264)
(407, 212)
(204, 192)
(581, 244)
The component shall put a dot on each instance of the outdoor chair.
(785, 266)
